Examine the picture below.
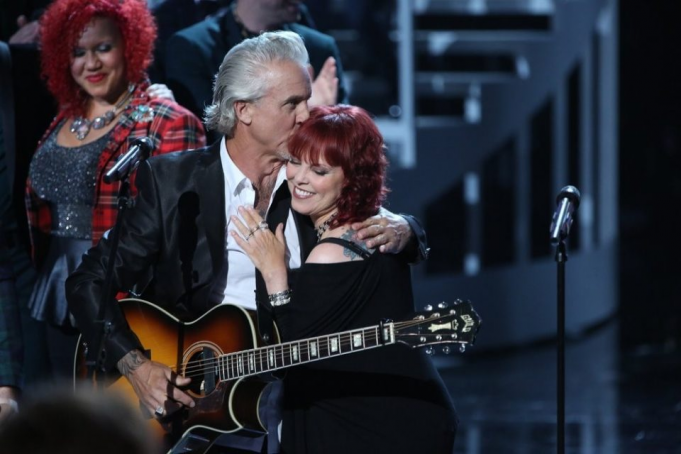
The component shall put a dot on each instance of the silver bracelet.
(280, 298)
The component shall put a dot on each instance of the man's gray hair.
(242, 75)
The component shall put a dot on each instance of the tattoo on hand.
(131, 362)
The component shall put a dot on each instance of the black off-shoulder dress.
(385, 400)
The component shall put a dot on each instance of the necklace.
(81, 126)
(325, 226)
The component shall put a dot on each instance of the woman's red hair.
(347, 137)
(63, 23)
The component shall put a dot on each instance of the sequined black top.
(65, 177)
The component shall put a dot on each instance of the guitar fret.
(357, 340)
(270, 355)
(305, 354)
(280, 356)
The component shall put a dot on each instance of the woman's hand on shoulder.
(161, 91)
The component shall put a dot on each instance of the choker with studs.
(325, 226)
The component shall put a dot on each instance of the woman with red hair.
(379, 400)
(94, 56)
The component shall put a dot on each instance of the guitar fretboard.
(279, 356)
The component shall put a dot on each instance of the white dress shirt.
(239, 191)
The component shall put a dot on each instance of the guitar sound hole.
(201, 367)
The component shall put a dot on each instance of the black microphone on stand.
(139, 151)
(568, 202)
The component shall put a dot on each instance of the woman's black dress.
(385, 400)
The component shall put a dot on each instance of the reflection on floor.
(615, 403)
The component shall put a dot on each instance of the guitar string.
(346, 339)
(229, 361)
(199, 367)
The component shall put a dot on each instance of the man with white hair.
(178, 227)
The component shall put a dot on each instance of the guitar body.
(222, 406)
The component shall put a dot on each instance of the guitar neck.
(280, 356)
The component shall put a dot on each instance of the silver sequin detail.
(65, 177)
(71, 221)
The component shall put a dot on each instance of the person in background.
(16, 273)
(94, 54)
(172, 16)
(175, 15)
(195, 53)
(379, 400)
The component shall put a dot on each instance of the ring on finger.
(263, 225)
(160, 411)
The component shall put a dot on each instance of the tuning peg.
(429, 350)
(446, 350)
(428, 307)
(462, 348)
(442, 305)
(423, 339)
(438, 338)
(458, 301)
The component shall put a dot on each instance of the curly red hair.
(61, 27)
(347, 137)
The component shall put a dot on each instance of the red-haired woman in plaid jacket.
(94, 56)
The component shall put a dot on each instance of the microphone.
(139, 151)
(568, 202)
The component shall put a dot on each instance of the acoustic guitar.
(223, 355)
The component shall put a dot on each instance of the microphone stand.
(561, 257)
(96, 356)
(568, 202)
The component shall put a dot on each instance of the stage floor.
(615, 402)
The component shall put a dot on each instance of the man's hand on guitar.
(156, 385)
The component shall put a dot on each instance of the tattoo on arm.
(131, 362)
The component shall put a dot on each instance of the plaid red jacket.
(170, 126)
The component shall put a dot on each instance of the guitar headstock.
(456, 323)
